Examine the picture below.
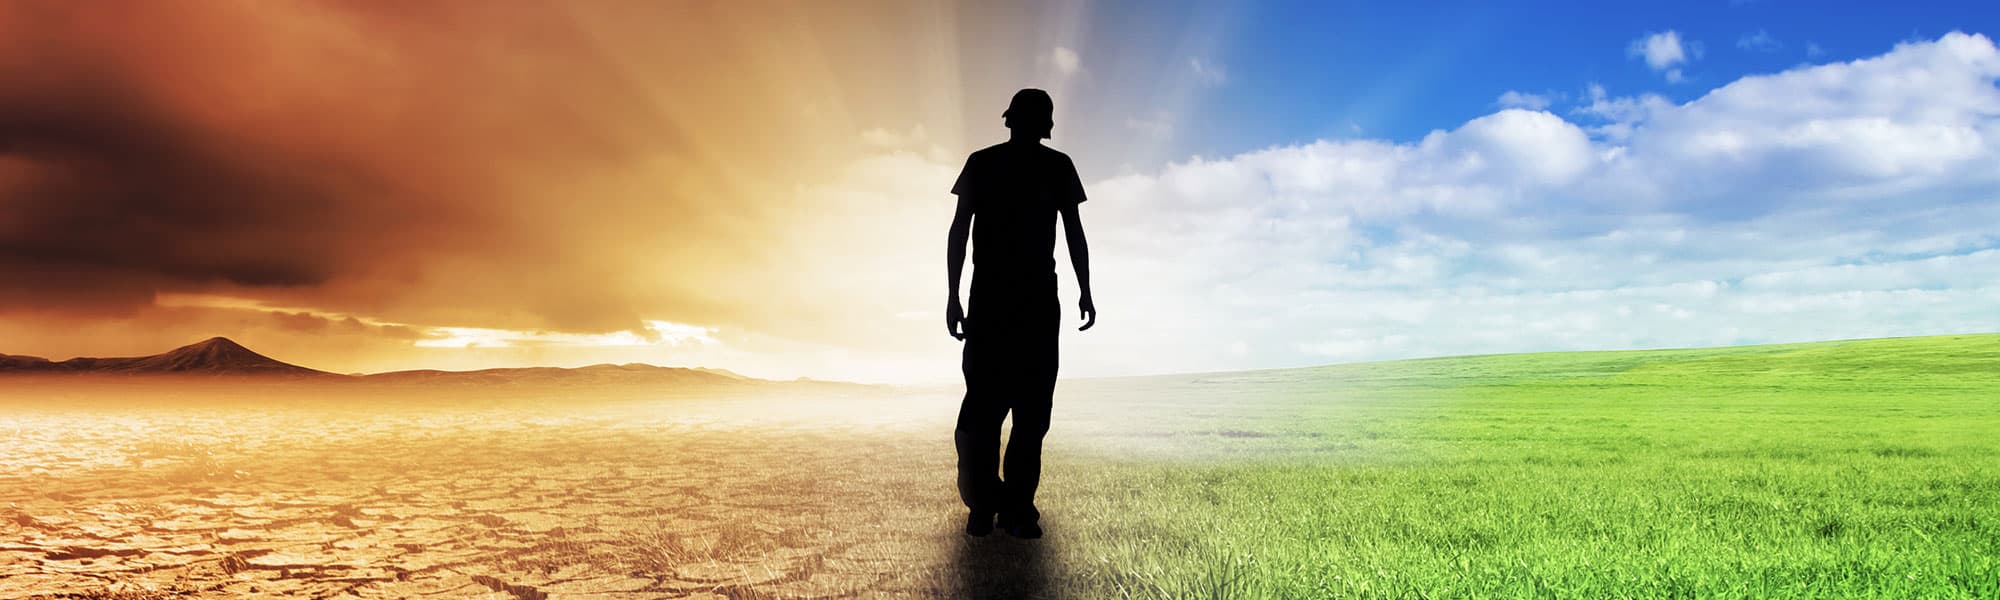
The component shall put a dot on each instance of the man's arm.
(954, 256)
(1079, 259)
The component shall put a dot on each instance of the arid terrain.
(528, 496)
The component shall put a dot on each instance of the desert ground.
(1847, 469)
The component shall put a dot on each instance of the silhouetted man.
(1009, 196)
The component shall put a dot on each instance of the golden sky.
(364, 186)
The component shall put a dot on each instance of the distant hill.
(723, 372)
(223, 357)
(213, 356)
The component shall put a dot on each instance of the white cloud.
(1915, 116)
(1814, 50)
(1830, 201)
(1661, 50)
(1516, 99)
(1208, 73)
(1665, 52)
(1525, 146)
(1761, 41)
(1621, 114)
(1066, 61)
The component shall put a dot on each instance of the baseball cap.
(1030, 106)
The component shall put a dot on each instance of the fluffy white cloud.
(1830, 201)
(1618, 116)
(1917, 117)
(1661, 50)
(1531, 148)
(1664, 52)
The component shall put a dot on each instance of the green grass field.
(1862, 469)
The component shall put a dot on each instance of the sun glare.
(654, 333)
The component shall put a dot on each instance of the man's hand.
(1089, 315)
(954, 319)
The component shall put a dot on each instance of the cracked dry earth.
(531, 498)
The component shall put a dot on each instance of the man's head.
(1031, 112)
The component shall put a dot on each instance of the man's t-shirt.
(1016, 190)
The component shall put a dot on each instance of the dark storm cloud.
(330, 155)
(105, 193)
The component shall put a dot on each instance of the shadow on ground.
(998, 566)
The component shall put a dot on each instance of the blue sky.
(1301, 71)
(1401, 69)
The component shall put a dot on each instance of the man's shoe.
(978, 524)
(1026, 531)
(1020, 525)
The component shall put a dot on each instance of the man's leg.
(977, 437)
(1024, 452)
(1031, 400)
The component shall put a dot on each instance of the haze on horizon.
(762, 187)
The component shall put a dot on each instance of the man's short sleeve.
(968, 178)
(1071, 190)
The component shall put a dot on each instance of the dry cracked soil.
(817, 496)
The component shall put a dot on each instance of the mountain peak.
(216, 355)
(218, 343)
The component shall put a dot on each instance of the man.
(1009, 197)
